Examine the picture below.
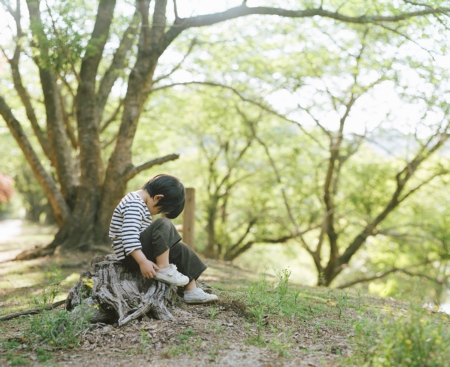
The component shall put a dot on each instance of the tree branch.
(401, 178)
(386, 273)
(62, 45)
(176, 67)
(158, 25)
(32, 311)
(86, 107)
(117, 65)
(112, 117)
(243, 98)
(57, 202)
(133, 171)
(60, 150)
(231, 256)
(67, 122)
(240, 11)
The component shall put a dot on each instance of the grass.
(286, 320)
(394, 335)
(412, 338)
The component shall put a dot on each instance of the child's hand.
(148, 269)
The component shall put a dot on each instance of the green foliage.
(16, 361)
(59, 328)
(188, 345)
(61, 46)
(146, 341)
(43, 355)
(412, 338)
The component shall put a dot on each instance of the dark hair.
(172, 204)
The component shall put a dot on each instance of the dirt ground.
(220, 334)
(195, 338)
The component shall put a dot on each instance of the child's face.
(152, 205)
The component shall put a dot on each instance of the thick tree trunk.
(111, 293)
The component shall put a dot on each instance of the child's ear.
(157, 198)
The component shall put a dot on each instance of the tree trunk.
(111, 293)
(211, 245)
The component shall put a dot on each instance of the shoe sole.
(200, 302)
(167, 282)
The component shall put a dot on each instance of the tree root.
(35, 253)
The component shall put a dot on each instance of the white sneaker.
(172, 276)
(197, 295)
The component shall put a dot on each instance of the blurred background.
(313, 144)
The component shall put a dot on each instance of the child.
(155, 248)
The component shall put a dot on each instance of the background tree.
(89, 181)
(356, 198)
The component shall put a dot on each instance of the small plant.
(43, 355)
(281, 344)
(146, 341)
(171, 352)
(59, 329)
(16, 361)
(213, 312)
(214, 351)
(282, 284)
(186, 347)
(414, 339)
(186, 334)
(341, 302)
(50, 292)
(359, 299)
(258, 314)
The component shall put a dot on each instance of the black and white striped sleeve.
(132, 220)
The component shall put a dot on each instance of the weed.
(213, 312)
(146, 341)
(409, 340)
(16, 361)
(43, 355)
(282, 284)
(214, 351)
(10, 344)
(359, 299)
(187, 347)
(217, 328)
(342, 300)
(259, 315)
(171, 352)
(50, 292)
(186, 334)
(281, 344)
(60, 328)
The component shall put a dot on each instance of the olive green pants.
(161, 236)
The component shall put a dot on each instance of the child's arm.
(148, 268)
(132, 221)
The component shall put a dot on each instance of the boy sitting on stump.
(155, 248)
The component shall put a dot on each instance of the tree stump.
(111, 293)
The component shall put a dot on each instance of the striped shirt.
(130, 218)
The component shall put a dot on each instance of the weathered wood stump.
(111, 293)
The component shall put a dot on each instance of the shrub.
(411, 339)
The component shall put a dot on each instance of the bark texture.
(112, 294)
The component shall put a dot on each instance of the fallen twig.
(32, 311)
